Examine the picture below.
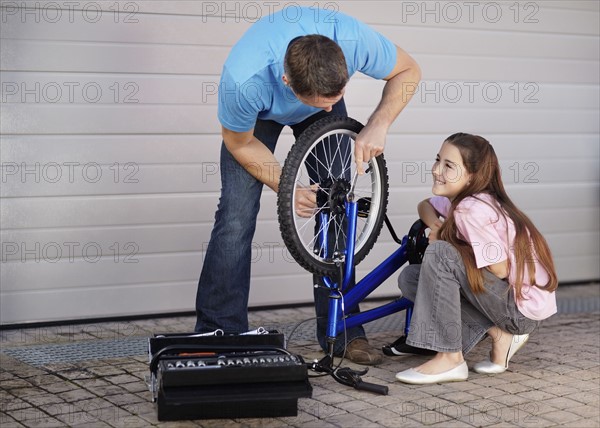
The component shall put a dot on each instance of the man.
(288, 73)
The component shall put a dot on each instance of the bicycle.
(332, 240)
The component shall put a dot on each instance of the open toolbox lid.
(258, 337)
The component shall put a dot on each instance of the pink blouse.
(491, 234)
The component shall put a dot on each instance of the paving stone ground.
(553, 381)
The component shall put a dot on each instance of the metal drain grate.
(41, 355)
(578, 305)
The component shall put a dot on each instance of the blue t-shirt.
(251, 84)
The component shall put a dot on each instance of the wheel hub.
(332, 195)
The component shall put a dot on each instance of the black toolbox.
(225, 376)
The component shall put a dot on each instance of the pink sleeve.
(441, 204)
(476, 226)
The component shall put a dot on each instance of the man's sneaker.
(399, 347)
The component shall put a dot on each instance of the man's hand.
(305, 202)
(370, 143)
(397, 92)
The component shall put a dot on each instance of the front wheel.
(322, 160)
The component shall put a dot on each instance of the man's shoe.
(399, 347)
(360, 352)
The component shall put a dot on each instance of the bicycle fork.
(345, 266)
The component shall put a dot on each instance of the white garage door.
(109, 146)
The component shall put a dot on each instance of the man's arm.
(399, 89)
(254, 156)
(258, 160)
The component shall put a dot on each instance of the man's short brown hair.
(315, 66)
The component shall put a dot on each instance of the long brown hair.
(480, 161)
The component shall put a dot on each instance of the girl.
(487, 268)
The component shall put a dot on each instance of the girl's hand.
(499, 269)
(434, 228)
(306, 200)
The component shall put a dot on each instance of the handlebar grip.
(372, 387)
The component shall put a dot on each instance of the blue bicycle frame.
(341, 297)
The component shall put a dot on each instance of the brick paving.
(553, 381)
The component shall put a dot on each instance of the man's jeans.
(223, 288)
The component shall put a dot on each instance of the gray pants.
(447, 315)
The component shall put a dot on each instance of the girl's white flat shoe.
(458, 373)
(488, 367)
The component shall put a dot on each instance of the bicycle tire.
(332, 172)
